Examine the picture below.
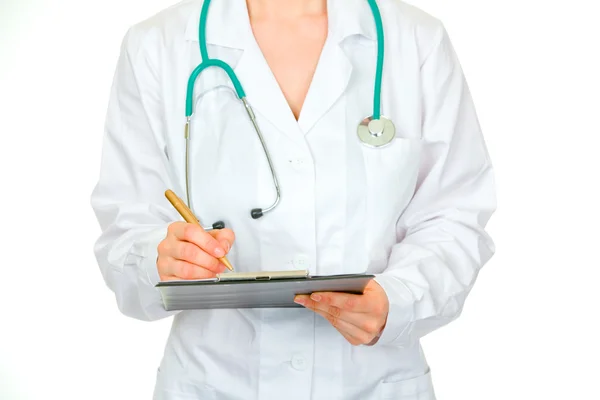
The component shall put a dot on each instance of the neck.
(286, 8)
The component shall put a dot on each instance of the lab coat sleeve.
(128, 199)
(442, 243)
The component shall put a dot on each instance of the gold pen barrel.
(181, 208)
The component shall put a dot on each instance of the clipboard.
(264, 289)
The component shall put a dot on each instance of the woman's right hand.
(189, 252)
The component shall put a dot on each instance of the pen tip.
(227, 264)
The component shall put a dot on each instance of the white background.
(529, 329)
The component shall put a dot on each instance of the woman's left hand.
(359, 318)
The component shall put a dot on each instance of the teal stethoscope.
(374, 131)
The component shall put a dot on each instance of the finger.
(189, 252)
(181, 270)
(365, 322)
(353, 334)
(344, 301)
(224, 236)
(185, 270)
(195, 234)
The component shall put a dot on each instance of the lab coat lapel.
(346, 19)
(328, 85)
(264, 94)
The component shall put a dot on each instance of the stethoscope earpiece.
(256, 213)
(216, 226)
(219, 225)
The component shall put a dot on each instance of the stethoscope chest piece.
(376, 132)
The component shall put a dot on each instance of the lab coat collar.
(228, 23)
(350, 17)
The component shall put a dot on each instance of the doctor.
(373, 161)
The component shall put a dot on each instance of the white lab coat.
(413, 213)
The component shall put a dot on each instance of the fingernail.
(225, 245)
(299, 301)
(219, 252)
(315, 297)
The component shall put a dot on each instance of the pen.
(189, 217)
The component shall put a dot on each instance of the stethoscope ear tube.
(259, 212)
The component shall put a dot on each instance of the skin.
(189, 252)
(291, 35)
(359, 318)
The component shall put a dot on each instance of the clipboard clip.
(262, 275)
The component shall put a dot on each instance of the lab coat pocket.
(392, 170)
(391, 177)
(419, 388)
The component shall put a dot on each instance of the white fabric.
(413, 213)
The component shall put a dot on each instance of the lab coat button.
(298, 363)
(299, 163)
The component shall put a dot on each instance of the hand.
(189, 252)
(359, 318)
